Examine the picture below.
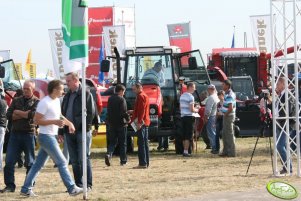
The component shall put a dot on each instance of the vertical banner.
(261, 32)
(126, 17)
(97, 18)
(114, 36)
(4, 55)
(179, 35)
(57, 43)
(75, 34)
(32, 70)
(18, 71)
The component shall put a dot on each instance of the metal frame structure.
(286, 25)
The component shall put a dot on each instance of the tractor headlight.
(152, 111)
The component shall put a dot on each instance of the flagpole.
(84, 132)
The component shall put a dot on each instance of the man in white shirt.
(210, 117)
(48, 117)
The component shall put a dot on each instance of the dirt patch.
(170, 176)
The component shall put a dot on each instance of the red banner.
(94, 48)
(98, 18)
(183, 43)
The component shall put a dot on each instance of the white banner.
(57, 43)
(4, 55)
(114, 36)
(261, 32)
(126, 17)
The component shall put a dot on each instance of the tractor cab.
(247, 105)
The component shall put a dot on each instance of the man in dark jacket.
(72, 110)
(21, 112)
(117, 119)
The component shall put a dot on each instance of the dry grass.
(170, 176)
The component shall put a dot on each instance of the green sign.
(282, 190)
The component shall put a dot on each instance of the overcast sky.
(25, 23)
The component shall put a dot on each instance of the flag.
(233, 39)
(179, 35)
(28, 62)
(75, 34)
(32, 70)
(101, 58)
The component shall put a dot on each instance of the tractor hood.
(155, 97)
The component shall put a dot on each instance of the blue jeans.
(143, 149)
(163, 142)
(65, 149)
(17, 143)
(74, 142)
(281, 147)
(211, 130)
(2, 135)
(48, 147)
(118, 135)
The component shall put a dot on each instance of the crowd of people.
(57, 118)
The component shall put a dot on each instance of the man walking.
(210, 117)
(141, 117)
(21, 112)
(72, 110)
(228, 109)
(48, 117)
(117, 119)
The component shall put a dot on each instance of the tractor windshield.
(150, 69)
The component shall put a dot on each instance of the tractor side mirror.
(192, 63)
(2, 72)
(105, 66)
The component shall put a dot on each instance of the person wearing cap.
(3, 121)
(156, 72)
(228, 109)
(210, 117)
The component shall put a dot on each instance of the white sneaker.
(75, 191)
(30, 193)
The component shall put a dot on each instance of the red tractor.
(164, 98)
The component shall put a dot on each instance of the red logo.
(178, 29)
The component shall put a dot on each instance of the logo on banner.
(59, 51)
(178, 29)
(103, 20)
(261, 27)
(94, 49)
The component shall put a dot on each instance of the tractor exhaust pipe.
(118, 65)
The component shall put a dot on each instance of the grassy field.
(169, 176)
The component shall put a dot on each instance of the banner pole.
(84, 132)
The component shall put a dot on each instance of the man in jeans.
(72, 110)
(140, 115)
(117, 119)
(210, 117)
(228, 109)
(20, 112)
(48, 117)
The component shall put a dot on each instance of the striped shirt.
(230, 98)
(186, 100)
